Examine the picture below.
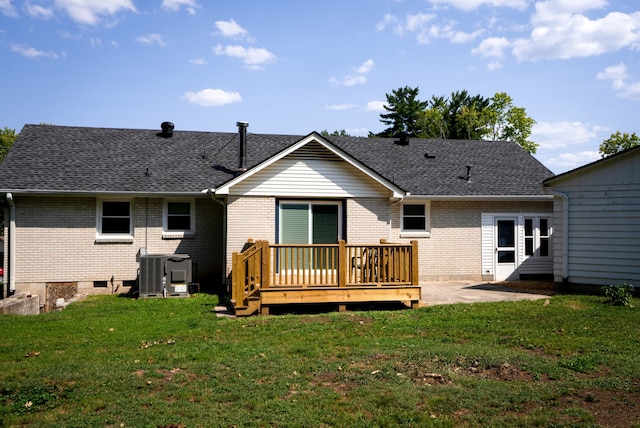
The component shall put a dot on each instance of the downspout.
(224, 236)
(565, 232)
(12, 245)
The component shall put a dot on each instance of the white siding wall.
(604, 235)
(603, 224)
(310, 172)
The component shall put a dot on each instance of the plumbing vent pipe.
(242, 153)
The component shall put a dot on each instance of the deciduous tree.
(7, 138)
(618, 142)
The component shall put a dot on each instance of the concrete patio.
(446, 292)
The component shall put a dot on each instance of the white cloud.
(252, 57)
(151, 39)
(175, 5)
(7, 8)
(567, 145)
(376, 106)
(91, 11)
(425, 28)
(618, 76)
(340, 107)
(197, 61)
(357, 77)
(34, 53)
(232, 30)
(560, 135)
(569, 161)
(212, 97)
(468, 5)
(38, 11)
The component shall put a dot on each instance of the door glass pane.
(295, 223)
(506, 256)
(325, 224)
(506, 236)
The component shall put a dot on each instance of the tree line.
(460, 116)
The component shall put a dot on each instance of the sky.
(293, 67)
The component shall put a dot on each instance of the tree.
(509, 123)
(462, 116)
(7, 138)
(404, 112)
(618, 142)
(336, 133)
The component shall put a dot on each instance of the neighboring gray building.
(85, 203)
(597, 221)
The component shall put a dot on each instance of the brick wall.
(56, 242)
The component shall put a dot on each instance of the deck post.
(237, 278)
(266, 264)
(414, 263)
(342, 263)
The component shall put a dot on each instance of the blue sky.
(292, 67)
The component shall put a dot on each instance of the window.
(537, 234)
(310, 222)
(178, 219)
(415, 219)
(114, 221)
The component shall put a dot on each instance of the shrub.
(618, 295)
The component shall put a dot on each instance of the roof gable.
(319, 158)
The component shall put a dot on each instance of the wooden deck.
(266, 274)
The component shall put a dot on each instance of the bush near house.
(117, 362)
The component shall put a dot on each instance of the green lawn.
(572, 361)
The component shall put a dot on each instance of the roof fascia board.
(36, 192)
(314, 136)
(480, 197)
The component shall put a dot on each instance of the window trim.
(537, 237)
(415, 233)
(309, 203)
(113, 237)
(178, 234)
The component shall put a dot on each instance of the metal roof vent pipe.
(167, 129)
(403, 138)
(242, 152)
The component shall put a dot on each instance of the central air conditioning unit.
(165, 275)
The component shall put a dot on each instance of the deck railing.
(265, 265)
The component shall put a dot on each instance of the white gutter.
(12, 244)
(565, 232)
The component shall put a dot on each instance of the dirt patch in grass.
(610, 408)
(538, 287)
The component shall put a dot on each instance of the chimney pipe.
(242, 131)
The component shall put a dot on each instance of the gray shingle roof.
(75, 159)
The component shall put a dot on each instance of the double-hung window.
(415, 219)
(178, 219)
(114, 222)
